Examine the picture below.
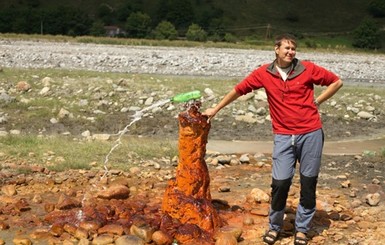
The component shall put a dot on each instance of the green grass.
(63, 153)
(382, 152)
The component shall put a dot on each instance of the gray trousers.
(288, 150)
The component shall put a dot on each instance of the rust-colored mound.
(187, 197)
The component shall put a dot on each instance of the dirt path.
(346, 147)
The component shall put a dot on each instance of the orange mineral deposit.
(187, 197)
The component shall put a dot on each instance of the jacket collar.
(297, 68)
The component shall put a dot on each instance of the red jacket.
(291, 102)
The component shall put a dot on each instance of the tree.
(66, 20)
(165, 30)
(367, 35)
(106, 14)
(178, 12)
(6, 18)
(129, 7)
(377, 8)
(196, 33)
(97, 29)
(138, 25)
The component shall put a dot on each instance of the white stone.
(86, 133)
(101, 137)
(44, 91)
(14, 132)
(149, 101)
(365, 115)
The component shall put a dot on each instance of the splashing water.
(136, 117)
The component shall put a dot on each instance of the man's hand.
(210, 113)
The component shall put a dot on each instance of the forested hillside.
(203, 20)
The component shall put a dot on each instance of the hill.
(242, 18)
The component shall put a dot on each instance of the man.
(297, 127)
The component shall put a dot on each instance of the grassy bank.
(30, 113)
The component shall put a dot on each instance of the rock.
(3, 226)
(248, 118)
(3, 119)
(54, 120)
(84, 241)
(210, 94)
(103, 239)
(260, 211)
(257, 195)
(365, 115)
(44, 91)
(248, 220)
(63, 113)
(345, 184)
(135, 170)
(373, 199)
(246, 97)
(143, 231)
(56, 230)
(90, 225)
(9, 190)
(21, 241)
(376, 181)
(234, 161)
(4, 97)
(149, 101)
(66, 202)
(101, 137)
(224, 189)
(86, 134)
(23, 86)
(47, 81)
(81, 233)
(260, 95)
(244, 158)
(226, 239)
(252, 108)
(161, 238)
(233, 231)
(115, 192)
(83, 102)
(224, 159)
(14, 132)
(261, 111)
(370, 108)
(134, 108)
(112, 229)
(131, 240)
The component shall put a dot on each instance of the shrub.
(196, 33)
(97, 29)
(138, 25)
(367, 35)
(230, 38)
(165, 30)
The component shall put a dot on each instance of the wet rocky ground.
(40, 206)
(93, 206)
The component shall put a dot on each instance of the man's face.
(285, 53)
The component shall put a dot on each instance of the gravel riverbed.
(197, 61)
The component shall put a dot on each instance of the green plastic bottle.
(185, 97)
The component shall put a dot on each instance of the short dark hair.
(283, 37)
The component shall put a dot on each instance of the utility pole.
(268, 27)
(41, 27)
